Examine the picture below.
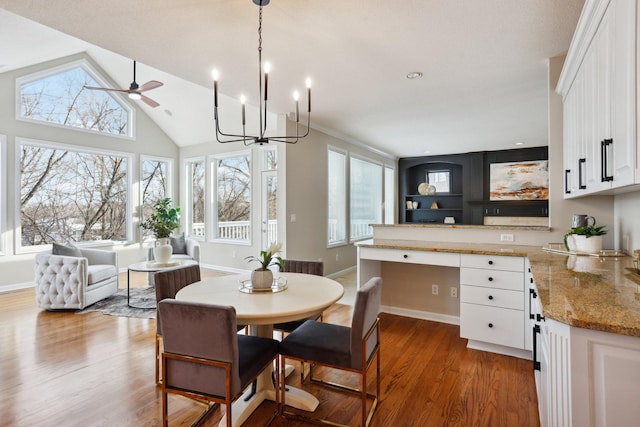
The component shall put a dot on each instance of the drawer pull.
(405, 256)
(491, 279)
(490, 262)
(491, 325)
(490, 296)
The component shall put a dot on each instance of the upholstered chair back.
(306, 267)
(205, 331)
(169, 282)
(365, 313)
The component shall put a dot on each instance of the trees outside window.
(366, 197)
(72, 195)
(155, 181)
(195, 170)
(337, 197)
(233, 197)
(58, 97)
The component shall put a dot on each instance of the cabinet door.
(624, 143)
(570, 143)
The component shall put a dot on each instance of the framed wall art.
(525, 180)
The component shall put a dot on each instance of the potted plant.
(162, 222)
(586, 238)
(262, 277)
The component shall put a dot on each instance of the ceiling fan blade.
(105, 89)
(152, 84)
(150, 102)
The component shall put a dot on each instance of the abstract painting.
(519, 180)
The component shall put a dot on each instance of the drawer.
(493, 279)
(495, 325)
(493, 262)
(413, 257)
(492, 297)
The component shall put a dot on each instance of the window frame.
(213, 193)
(102, 82)
(345, 213)
(169, 193)
(19, 249)
(389, 200)
(3, 194)
(188, 191)
(381, 210)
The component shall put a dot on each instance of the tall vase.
(162, 250)
(262, 279)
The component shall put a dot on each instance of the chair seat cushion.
(180, 256)
(319, 342)
(100, 272)
(254, 354)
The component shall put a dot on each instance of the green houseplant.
(162, 222)
(586, 238)
(262, 277)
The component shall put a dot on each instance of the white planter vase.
(262, 279)
(589, 245)
(162, 250)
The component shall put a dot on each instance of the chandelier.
(263, 85)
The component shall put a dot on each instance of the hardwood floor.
(63, 369)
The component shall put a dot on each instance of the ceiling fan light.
(135, 96)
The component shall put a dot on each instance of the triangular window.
(58, 97)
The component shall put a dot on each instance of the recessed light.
(414, 75)
(519, 143)
(426, 152)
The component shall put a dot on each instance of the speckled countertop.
(599, 293)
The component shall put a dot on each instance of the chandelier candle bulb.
(243, 100)
(267, 68)
(309, 95)
(296, 97)
(214, 74)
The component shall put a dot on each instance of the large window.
(195, 171)
(337, 197)
(58, 97)
(365, 197)
(67, 194)
(155, 182)
(232, 188)
(389, 195)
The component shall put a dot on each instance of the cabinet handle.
(604, 160)
(567, 190)
(536, 363)
(581, 163)
(532, 295)
(539, 318)
(490, 262)
(405, 256)
(490, 325)
(491, 279)
(490, 297)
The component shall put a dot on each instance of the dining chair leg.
(158, 357)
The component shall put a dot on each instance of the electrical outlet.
(434, 289)
(454, 292)
(506, 237)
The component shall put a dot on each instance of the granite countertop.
(598, 293)
(465, 226)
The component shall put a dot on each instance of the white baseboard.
(500, 349)
(424, 315)
(17, 286)
(225, 268)
(342, 272)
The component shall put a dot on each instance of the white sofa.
(75, 282)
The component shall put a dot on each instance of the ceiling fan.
(135, 91)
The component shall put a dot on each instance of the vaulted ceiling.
(484, 84)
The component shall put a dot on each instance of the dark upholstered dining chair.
(167, 284)
(213, 364)
(347, 348)
(306, 267)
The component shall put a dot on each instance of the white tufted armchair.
(71, 282)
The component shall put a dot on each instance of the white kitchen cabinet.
(597, 84)
(492, 302)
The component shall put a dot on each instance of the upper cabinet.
(597, 85)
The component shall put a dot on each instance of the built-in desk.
(481, 288)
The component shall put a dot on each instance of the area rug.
(144, 300)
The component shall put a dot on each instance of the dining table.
(293, 296)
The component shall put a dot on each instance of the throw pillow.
(64, 250)
(178, 244)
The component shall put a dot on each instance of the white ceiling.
(484, 62)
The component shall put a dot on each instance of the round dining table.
(296, 296)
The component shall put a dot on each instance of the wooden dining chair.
(346, 348)
(208, 363)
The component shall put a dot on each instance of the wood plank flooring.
(62, 369)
